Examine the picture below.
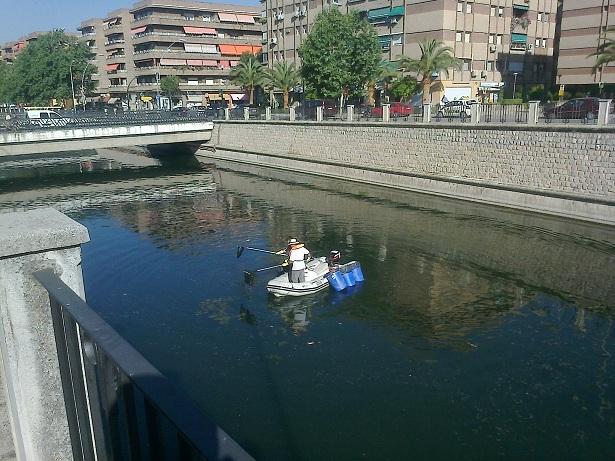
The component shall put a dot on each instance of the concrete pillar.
(246, 113)
(532, 115)
(349, 113)
(267, 113)
(291, 114)
(386, 113)
(603, 111)
(426, 113)
(475, 113)
(31, 241)
(319, 116)
(227, 113)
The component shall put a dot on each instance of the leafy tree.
(5, 77)
(339, 56)
(169, 85)
(42, 71)
(283, 76)
(386, 71)
(435, 58)
(605, 53)
(404, 88)
(249, 73)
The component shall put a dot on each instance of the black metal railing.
(119, 406)
(504, 113)
(92, 119)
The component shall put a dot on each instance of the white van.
(44, 117)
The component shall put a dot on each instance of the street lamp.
(158, 73)
(87, 64)
(515, 84)
(72, 83)
(127, 89)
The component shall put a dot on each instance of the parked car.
(237, 111)
(397, 109)
(460, 108)
(46, 117)
(580, 108)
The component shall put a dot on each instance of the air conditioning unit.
(483, 74)
(394, 20)
(273, 41)
(279, 17)
(296, 13)
(336, 3)
(302, 12)
(474, 74)
(493, 48)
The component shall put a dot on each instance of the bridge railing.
(119, 406)
(20, 122)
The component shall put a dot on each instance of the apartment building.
(10, 50)
(503, 43)
(583, 25)
(196, 41)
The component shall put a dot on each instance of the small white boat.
(315, 273)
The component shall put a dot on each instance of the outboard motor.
(334, 258)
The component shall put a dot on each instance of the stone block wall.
(567, 169)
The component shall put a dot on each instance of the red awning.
(172, 62)
(195, 62)
(200, 30)
(225, 64)
(245, 19)
(210, 63)
(229, 50)
(138, 30)
(227, 17)
(112, 67)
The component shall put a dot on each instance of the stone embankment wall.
(556, 170)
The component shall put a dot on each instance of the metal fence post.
(426, 113)
(267, 113)
(227, 114)
(349, 113)
(475, 113)
(603, 111)
(246, 113)
(386, 113)
(319, 112)
(532, 116)
(291, 114)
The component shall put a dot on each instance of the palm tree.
(385, 73)
(249, 73)
(605, 53)
(435, 58)
(283, 76)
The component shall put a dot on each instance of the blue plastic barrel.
(357, 273)
(336, 280)
(349, 279)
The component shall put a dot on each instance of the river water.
(479, 333)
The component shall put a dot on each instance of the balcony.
(175, 54)
(180, 21)
(167, 37)
(188, 71)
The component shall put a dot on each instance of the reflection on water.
(479, 333)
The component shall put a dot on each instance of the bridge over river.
(157, 131)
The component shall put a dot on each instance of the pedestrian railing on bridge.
(97, 119)
(119, 406)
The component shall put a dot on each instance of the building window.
(539, 17)
(537, 42)
(500, 11)
(469, 7)
(544, 43)
(458, 36)
(492, 11)
(491, 39)
(490, 65)
(459, 6)
(467, 37)
(545, 17)
(467, 64)
(498, 39)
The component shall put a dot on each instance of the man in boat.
(297, 257)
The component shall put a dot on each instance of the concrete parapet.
(32, 241)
